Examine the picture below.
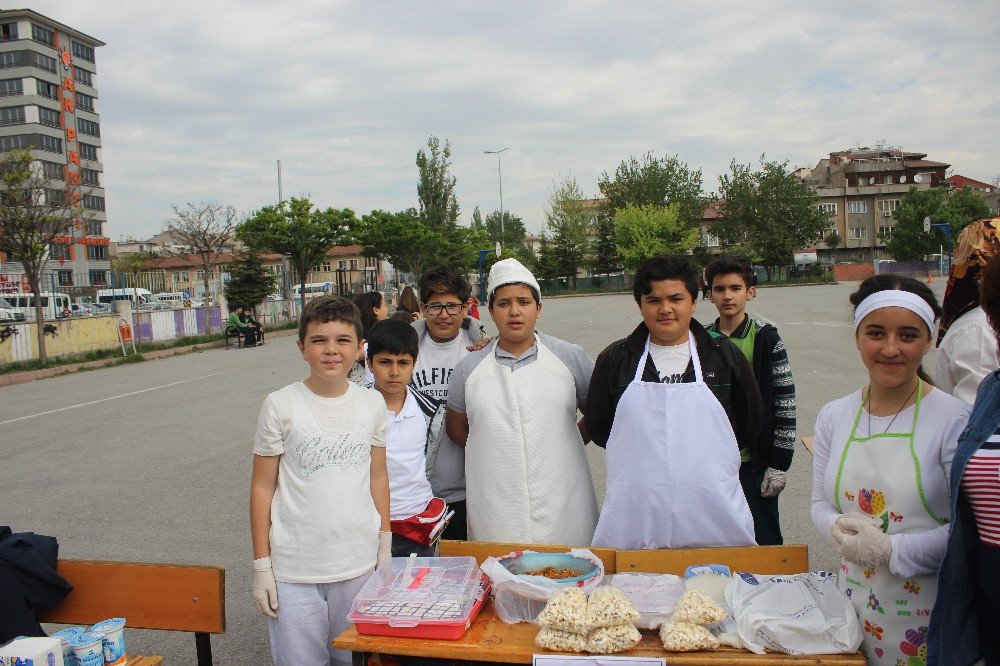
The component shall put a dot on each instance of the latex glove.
(265, 590)
(384, 548)
(860, 541)
(847, 524)
(774, 482)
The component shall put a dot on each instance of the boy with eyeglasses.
(446, 336)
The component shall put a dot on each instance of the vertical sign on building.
(67, 117)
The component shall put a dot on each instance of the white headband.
(895, 298)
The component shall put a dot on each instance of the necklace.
(901, 408)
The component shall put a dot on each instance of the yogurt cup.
(88, 649)
(113, 633)
(66, 637)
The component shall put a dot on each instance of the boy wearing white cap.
(513, 406)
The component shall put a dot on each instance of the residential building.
(171, 273)
(989, 193)
(860, 189)
(49, 103)
(344, 268)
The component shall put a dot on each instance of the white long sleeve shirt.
(967, 354)
(941, 420)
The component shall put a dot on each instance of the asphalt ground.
(151, 462)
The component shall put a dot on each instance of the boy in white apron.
(513, 405)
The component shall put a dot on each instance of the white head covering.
(510, 271)
(894, 298)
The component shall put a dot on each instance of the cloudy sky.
(199, 99)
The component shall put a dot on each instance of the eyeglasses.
(434, 309)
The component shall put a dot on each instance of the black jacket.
(28, 580)
(726, 371)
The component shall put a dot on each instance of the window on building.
(888, 205)
(98, 278)
(857, 233)
(325, 267)
(11, 59)
(44, 62)
(885, 232)
(12, 115)
(857, 207)
(83, 51)
(90, 177)
(8, 143)
(11, 87)
(97, 252)
(341, 264)
(48, 117)
(370, 262)
(95, 228)
(64, 278)
(59, 251)
(711, 240)
(88, 152)
(52, 144)
(8, 31)
(83, 76)
(42, 35)
(354, 264)
(180, 277)
(199, 276)
(85, 126)
(828, 208)
(47, 89)
(85, 102)
(53, 170)
(93, 202)
(54, 196)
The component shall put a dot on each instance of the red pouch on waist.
(419, 527)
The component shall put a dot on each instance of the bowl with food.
(562, 568)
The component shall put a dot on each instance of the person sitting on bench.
(237, 321)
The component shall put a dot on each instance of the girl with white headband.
(881, 470)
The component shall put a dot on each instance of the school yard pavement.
(151, 462)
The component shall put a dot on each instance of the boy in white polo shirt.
(319, 496)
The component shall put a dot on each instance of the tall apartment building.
(860, 189)
(48, 103)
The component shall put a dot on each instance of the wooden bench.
(233, 332)
(170, 597)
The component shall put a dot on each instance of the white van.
(53, 304)
(109, 296)
(313, 289)
(174, 299)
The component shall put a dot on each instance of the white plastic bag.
(796, 614)
(653, 595)
(522, 598)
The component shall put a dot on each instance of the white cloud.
(198, 100)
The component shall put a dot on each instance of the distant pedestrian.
(408, 303)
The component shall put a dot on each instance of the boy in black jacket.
(765, 462)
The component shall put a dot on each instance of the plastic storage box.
(421, 597)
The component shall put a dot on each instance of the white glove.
(265, 590)
(384, 548)
(774, 482)
(860, 541)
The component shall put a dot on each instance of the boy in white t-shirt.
(416, 422)
(319, 497)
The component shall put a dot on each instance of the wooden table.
(491, 640)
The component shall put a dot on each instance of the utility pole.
(500, 176)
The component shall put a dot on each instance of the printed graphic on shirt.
(318, 449)
(432, 381)
(675, 378)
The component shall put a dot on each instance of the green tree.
(831, 240)
(34, 215)
(767, 213)
(604, 257)
(909, 241)
(513, 230)
(645, 231)
(652, 181)
(295, 229)
(399, 238)
(966, 207)
(436, 187)
(249, 281)
(567, 218)
(545, 266)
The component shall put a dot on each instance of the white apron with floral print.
(879, 475)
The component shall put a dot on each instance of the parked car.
(8, 314)
(154, 305)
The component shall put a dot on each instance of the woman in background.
(373, 309)
(408, 303)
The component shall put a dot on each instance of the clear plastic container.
(421, 597)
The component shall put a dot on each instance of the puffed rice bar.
(561, 641)
(566, 611)
(698, 608)
(685, 637)
(617, 638)
(609, 606)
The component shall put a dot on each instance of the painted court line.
(114, 397)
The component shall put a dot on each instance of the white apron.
(527, 477)
(673, 469)
(879, 475)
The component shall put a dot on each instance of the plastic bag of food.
(616, 638)
(652, 595)
(561, 641)
(566, 611)
(697, 608)
(608, 606)
(796, 614)
(685, 637)
(713, 579)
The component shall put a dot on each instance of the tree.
(293, 228)
(33, 217)
(399, 238)
(436, 187)
(567, 218)
(249, 281)
(604, 257)
(654, 181)
(909, 241)
(199, 233)
(831, 240)
(545, 266)
(767, 213)
(645, 231)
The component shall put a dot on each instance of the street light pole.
(500, 176)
